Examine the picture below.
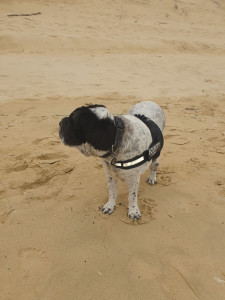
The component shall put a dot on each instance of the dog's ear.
(75, 121)
(99, 133)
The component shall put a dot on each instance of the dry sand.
(54, 242)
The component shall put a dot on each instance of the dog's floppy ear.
(99, 133)
(75, 124)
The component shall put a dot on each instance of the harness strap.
(156, 133)
(153, 151)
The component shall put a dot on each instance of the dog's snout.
(60, 123)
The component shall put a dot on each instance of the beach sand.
(54, 241)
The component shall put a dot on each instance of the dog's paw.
(108, 208)
(134, 213)
(151, 180)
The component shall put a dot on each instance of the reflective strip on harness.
(129, 164)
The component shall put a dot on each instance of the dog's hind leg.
(152, 174)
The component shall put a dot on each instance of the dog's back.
(151, 110)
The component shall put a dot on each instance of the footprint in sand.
(39, 170)
(195, 164)
(221, 185)
(5, 216)
(146, 206)
(38, 141)
(165, 180)
(31, 253)
(50, 156)
(18, 168)
(222, 192)
(33, 262)
(2, 191)
(176, 139)
(164, 177)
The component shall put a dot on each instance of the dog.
(127, 145)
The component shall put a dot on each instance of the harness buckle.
(113, 161)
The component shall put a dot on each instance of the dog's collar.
(119, 132)
(153, 151)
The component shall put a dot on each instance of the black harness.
(151, 153)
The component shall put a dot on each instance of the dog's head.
(93, 125)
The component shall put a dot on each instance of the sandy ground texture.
(54, 241)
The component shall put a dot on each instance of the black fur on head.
(84, 126)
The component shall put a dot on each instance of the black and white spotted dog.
(127, 145)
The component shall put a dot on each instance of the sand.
(54, 241)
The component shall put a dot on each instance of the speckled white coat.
(135, 140)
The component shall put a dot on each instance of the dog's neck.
(119, 133)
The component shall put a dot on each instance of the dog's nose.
(60, 123)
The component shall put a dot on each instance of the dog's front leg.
(109, 206)
(112, 185)
(133, 210)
